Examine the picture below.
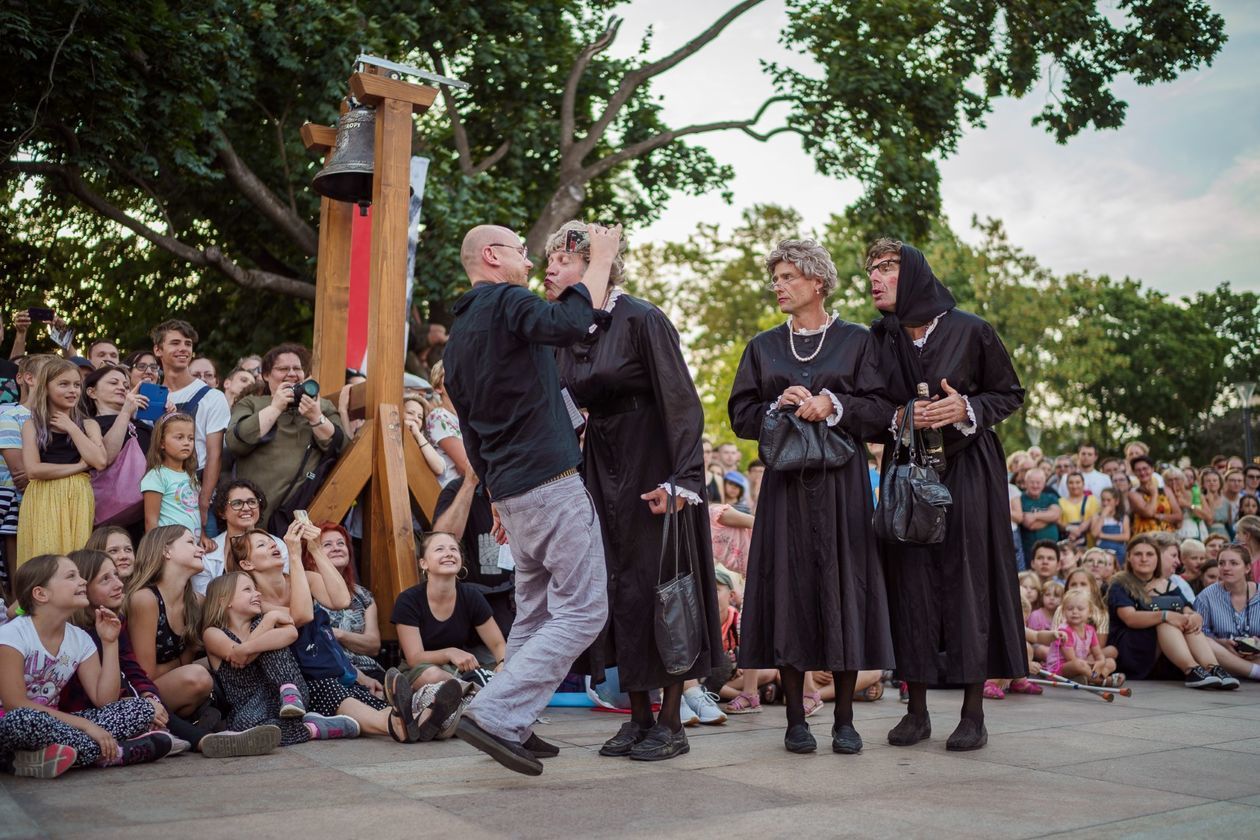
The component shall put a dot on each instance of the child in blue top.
(171, 489)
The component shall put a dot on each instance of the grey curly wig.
(810, 258)
(555, 242)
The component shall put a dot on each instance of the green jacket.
(272, 462)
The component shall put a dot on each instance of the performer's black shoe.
(627, 736)
(659, 744)
(511, 755)
(798, 739)
(540, 748)
(911, 729)
(845, 740)
(970, 735)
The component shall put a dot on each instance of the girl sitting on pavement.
(115, 541)
(1077, 654)
(260, 679)
(39, 652)
(1082, 579)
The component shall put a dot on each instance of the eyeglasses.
(523, 250)
(774, 284)
(284, 371)
(237, 504)
(882, 267)
(144, 368)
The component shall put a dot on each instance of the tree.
(164, 136)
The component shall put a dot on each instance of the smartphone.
(302, 516)
(41, 315)
(158, 395)
(575, 241)
(1247, 644)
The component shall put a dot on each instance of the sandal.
(812, 701)
(993, 691)
(1114, 680)
(1023, 686)
(743, 704)
(870, 694)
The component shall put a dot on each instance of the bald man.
(501, 376)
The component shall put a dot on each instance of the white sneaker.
(686, 713)
(705, 705)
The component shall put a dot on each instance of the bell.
(347, 172)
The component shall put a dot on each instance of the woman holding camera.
(273, 435)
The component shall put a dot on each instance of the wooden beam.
(347, 479)
(420, 479)
(318, 138)
(372, 89)
(391, 198)
(392, 543)
(332, 295)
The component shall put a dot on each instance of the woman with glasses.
(144, 367)
(643, 435)
(283, 432)
(237, 504)
(814, 598)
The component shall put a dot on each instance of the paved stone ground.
(1169, 762)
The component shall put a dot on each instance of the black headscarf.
(920, 298)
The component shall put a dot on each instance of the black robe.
(956, 614)
(815, 595)
(645, 426)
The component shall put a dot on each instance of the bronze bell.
(347, 172)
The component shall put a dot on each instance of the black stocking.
(671, 707)
(793, 694)
(918, 698)
(641, 709)
(973, 702)
(846, 682)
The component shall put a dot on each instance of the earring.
(463, 573)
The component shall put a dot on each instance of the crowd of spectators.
(162, 591)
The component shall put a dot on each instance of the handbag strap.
(671, 522)
(907, 424)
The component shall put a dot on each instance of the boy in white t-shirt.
(174, 343)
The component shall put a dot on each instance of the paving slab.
(1174, 762)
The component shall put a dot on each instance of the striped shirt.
(1221, 620)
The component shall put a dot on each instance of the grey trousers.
(561, 602)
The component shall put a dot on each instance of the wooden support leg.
(392, 553)
(347, 479)
(420, 479)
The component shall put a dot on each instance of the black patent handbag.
(789, 444)
(913, 502)
(678, 624)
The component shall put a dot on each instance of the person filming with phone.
(283, 434)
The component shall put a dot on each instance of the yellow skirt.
(55, 517)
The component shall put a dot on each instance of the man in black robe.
(956, 617)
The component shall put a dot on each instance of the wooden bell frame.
(382, 458)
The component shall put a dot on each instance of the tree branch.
(568, 104)
(211, 257)
(462, 145)
(641, 148)
(252, 187)
(635, 78)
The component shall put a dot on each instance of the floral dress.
(440, 425)
(353, 620)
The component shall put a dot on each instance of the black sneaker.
(970, 735)
(146, 748)
(1228, 681)
(627, 736)
(511, 755)
(845, 740)
(659, 744)
(1200, 677)
(911, 729)
(540, 748)
(798, 740)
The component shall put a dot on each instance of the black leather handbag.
(679, 616)
(913, 502)
(789, 444)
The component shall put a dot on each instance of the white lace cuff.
(687, 495)
(837, 408)
(970, 427)
(774, 405)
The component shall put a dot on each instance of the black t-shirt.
(459, 631)
(481, 552)
(143, 433)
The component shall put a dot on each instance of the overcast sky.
(1172, 198)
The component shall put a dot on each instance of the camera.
(310, 388)
(575, 241)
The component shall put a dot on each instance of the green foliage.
(1101, 359)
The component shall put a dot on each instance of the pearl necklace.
(792, 343)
